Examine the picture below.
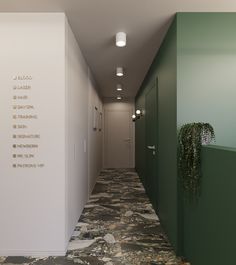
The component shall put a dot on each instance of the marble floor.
(118, 226)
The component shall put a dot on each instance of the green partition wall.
(206, 91)
(194, 71)
(209, 224)
(162, 73)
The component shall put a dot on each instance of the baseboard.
(31, 253)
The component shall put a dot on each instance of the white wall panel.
(77, 130)
(94, 134)
(43, 188)
(32, 200)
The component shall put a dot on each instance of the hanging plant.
(191, 137)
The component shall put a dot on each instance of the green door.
(151, 144)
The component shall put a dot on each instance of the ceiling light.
(120, 39)
(119, 71)
(119, 87)
(119, 97)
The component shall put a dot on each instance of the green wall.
(209, 225)
(140, 140)
(195, 69)
(163, 69)
(206, 63)
(206, 91)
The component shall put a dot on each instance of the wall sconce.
(133, 117)
(139, 113)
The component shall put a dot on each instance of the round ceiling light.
(119, 87)
(120, 39)
(119, 71)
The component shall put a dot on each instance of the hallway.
(118, 226)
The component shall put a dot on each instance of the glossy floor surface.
(118, 226)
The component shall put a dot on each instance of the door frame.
(153, 84)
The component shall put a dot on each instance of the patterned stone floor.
(118, 227)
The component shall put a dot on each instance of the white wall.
(40, 206)
(95, 135)
(32, 201)
(77, 120)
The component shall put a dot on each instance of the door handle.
(151, 147)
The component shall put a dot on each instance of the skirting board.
(18, 252)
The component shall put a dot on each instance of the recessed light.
(120, 39)
(119, 71)
(119, 97)
(119, 87)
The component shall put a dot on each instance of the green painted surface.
(209, 225)
(206, 46)
(163, 69)
(206, 63)
(140, 141)
(196, 80)
(151, 141)
(226, 148)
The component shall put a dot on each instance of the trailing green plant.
(191, 137)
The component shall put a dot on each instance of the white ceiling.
(95, 23)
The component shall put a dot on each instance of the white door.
(118, 136)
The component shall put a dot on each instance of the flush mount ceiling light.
(119, 71)
(119, 87)
(120, 39)
(119, 97)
